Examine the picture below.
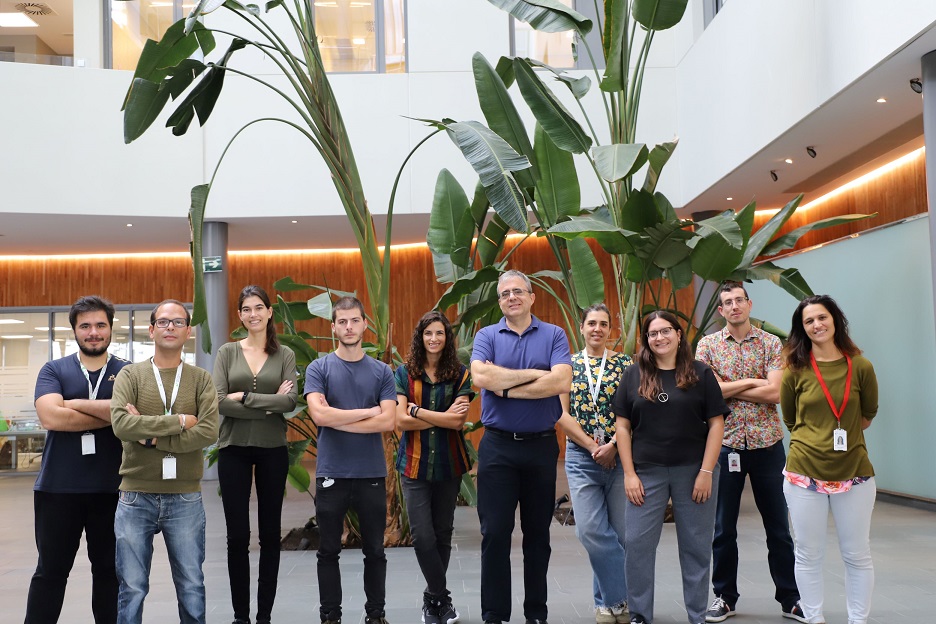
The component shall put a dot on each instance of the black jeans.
(238, 467)
(368, 498)
(430, 506)
(511, 472)
(764, 467)
(60, 520)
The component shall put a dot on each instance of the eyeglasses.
(516, 292)
(665, 332)
(163, 323)
(737, 301)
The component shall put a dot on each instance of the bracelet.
(504, 393)
(181, 423)
(416, 412)
(704, 470)
(244, 398)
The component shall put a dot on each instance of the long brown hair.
(449, 367)
(272, 344)
(799, 346)
(650, 384)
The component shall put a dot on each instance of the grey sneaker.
(719, 611)
(603, 615)
(621, 614)
(795, 613)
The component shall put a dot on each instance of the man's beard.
(93, 352)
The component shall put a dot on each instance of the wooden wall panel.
(895, 195)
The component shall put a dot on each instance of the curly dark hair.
(449, 367)
(799, 346)
(272, 344)
(650, 384)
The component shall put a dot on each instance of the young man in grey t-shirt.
(352, 400)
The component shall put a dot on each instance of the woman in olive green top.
(255, 378)
(828, 396)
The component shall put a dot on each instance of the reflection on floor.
(903, 543)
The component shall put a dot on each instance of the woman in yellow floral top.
(596, 481)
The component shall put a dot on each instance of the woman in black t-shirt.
(670, 422)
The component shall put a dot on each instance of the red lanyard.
(837, 412)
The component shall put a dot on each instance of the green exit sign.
(212, 264)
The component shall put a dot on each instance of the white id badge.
(734, 462)
(87, 444)
(169, 467)
(598, 435)
(840, 440)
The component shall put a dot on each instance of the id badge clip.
(840, 440)
(169, 467)
(734, 462)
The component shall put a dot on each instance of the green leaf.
(615, 46)
(612, 239)
(305, 354)
(789, 240)
(200, 301)
(723, 225)
(504, 69)
(501, 114)
(561, 127)
(203, 7)
(296, 310)
(203, 97)
(287, 284)
(586, 274)
(493, 159)
(639, 212)
(320, 306)
(789, 280)
(546, 15)
(485, 308)
(289, 323)
(468, 489)
(620, 160)
(664, 207)
(761, 237)
(681, 274)
(745, 220)
(578, 86)
(296, 451)
(298, 477)
(659, 156)
(715, 259)
(144, 103)
(558, 194)
(466, 285)
(491, 242)
(665, 244)
(659, 14)
(449, 206)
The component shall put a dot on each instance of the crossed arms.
(524, 383)
(59, 414)
(365, 420)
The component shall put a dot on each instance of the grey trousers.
(695, 525)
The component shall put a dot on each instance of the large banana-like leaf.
(546, 15)
(586, 273)
(639, 212)
(619, 160)
(558, 123)
(449, 207)
(501, 114)
(612, 239)
(196, 225)
(466, 285)
(789, 280)
(320, 306)
(658, 14)
(201, 99)
(680, 275)
(305, 354)
(615, 44)
(665, 244)
(558, 194)
(659, 156)
(761, 237)
(578, 86)
(789, 240)
(745, 220)
(715, 259)
(723, 225)
(144, 103)
(494, 160)
(491, 241)
(203, 7)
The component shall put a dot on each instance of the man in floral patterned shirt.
(748, 365)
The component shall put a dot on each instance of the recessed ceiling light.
(881, 100)
(788, 161)
(729, 198)
(16, 20)
(10, 322)
(129, 225)
(294, 221)
(358, 41)
(16, 336)
(44, 329)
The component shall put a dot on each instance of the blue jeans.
(181, 520)
(765, 469)
(599, 502)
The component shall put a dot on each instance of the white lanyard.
(92, 391)
(162, 390)
(594, 388)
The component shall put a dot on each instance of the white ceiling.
(57, 31)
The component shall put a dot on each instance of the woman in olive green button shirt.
(256, 382)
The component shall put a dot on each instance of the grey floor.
(903, 543)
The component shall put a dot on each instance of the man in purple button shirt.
(522, 366)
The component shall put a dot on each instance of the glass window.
(133, 22)
(37, 33)
(554, 49)
(24, 348)
(395, 36)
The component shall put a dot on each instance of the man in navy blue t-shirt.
(352, 399)
(76, 490)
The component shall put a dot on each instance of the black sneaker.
(795, 613)
(447, 613)
(430, 613)
(719, 611)
(375, 620)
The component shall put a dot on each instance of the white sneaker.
(603, 615)
(621, 614)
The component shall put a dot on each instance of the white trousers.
(809, 515)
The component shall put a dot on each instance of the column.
(928, 63)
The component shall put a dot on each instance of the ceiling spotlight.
(788, 161)
(882, 100)
(811, 151)
(917, 85)
(773, 175)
